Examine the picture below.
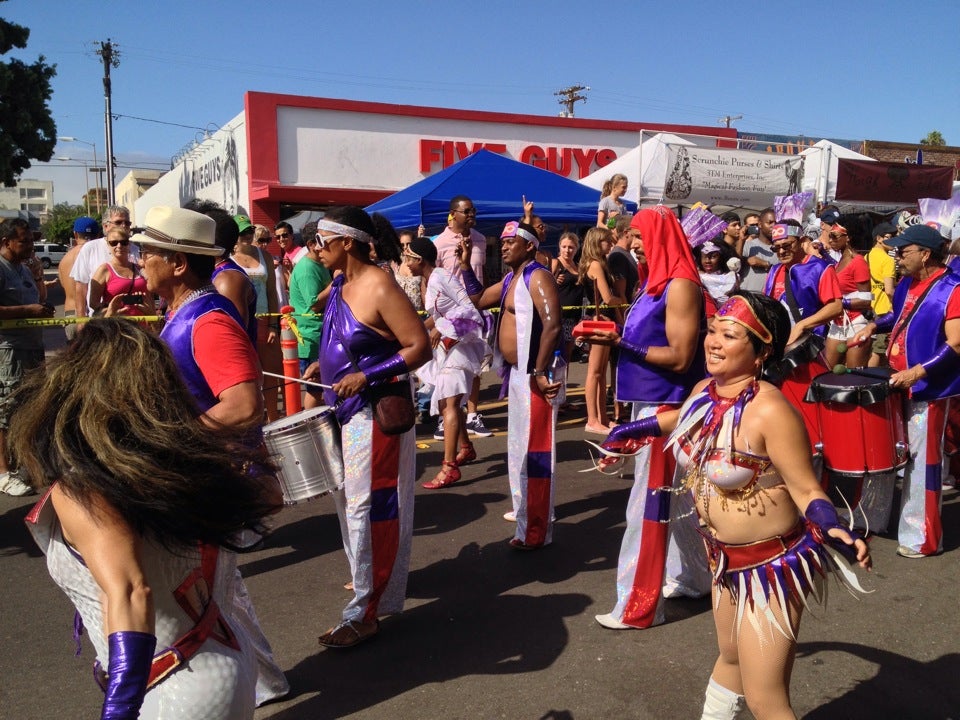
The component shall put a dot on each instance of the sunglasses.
(125, 223)
(281, 236)
(323, 240)
(121, 243)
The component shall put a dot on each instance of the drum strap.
(791, 300)
(902, 324)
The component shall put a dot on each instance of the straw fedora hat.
(178, 230)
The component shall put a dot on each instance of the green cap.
(243, 223)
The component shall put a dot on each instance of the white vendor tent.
(645, 167)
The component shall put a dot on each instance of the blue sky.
(837, 69)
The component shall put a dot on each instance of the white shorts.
(847, 330)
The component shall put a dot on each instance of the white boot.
(721, 703)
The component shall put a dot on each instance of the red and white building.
(286, 153)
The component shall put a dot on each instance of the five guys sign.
(570, 162)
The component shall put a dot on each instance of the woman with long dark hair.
(143, 499)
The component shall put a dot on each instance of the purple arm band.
(823, 515)
(845, 303)
(391, 367)
(470, 282)
(639, 350)
(884, 322)
(642, 428)
(946, 359)
(131, 654)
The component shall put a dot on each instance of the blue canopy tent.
(497, 186)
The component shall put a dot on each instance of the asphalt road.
(490, 632)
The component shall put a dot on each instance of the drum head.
(295, 419)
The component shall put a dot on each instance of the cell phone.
(132, 299)
(753, 229)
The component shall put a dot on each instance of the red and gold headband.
(738, 310)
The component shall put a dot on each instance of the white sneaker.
(12, 484)
(510, 516)
(609, 621)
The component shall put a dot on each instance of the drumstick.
(877, 373)
(299, 380)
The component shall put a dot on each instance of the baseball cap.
(86, 226)
(243, 223)
(922, 235)
(830, 216)
(884, 228)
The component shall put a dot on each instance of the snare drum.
(306, 449)
(862, 426)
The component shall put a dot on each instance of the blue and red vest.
(177, 333)
(924, 335)
(804, 279)
(536, 330)
(640, 381)
(251, 327)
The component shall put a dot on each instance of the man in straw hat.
(219, 365)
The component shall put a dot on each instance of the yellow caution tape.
(292, 324)
(15, 323)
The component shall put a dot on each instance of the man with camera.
(757, 253)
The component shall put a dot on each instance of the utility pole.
(568, 97)
(729, 119)
(110, 54)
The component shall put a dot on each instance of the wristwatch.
(539, 373)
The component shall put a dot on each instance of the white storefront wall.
(216, 169)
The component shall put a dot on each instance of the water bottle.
(557, 372)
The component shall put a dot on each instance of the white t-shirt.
(92, 255)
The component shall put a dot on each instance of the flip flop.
(354, 632)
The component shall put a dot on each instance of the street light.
(86, 179)
(67, 138)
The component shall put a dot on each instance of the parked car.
(50, 253)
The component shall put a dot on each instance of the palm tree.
(934, 137)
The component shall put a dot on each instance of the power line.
(158, 122)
